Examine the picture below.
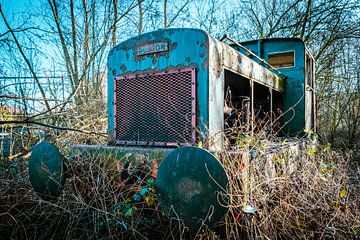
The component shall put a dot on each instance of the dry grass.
(313, 194)
(89, 118)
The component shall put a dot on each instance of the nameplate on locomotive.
(152, 48)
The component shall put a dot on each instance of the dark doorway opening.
(277, 113)
(262, 111)
(245, 113)
(237, 96)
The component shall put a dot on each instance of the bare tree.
(175, 14)
(25, 59)
(216, 17)
(84, 51)
(113, 38)
(328, 28)
(339, 95)
(141, 16)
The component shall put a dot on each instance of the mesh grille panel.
(155, 109)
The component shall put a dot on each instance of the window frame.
(294, 62)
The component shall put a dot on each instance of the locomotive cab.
(291, 58)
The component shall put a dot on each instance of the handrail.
(252, 54)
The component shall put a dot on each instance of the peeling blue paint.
(295, 77)
(186, 47)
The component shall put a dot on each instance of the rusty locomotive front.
(171, 91)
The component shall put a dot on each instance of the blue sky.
(11, 7)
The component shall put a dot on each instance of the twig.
(25, 59)
(52, 126)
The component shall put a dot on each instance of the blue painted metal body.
(294, 94)
(187, 48)
(175, 49)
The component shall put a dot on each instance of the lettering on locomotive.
(152, 48)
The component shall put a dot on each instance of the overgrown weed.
(301, 189)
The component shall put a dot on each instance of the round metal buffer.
(191, 184)
(46, 170)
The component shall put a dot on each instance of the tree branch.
(52, 126)
(25, 59)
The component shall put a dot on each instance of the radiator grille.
(156, 109)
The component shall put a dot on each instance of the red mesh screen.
(156, 109)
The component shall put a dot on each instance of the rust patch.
(216, 61)
(123, 67)
(251, 69)
(113, 72)
(127, 56)
(155, 70)
(187, 59)
(111, 138)
(188, 188)
(206, 44)
(153, 60)
(205, 64)
(239, 58)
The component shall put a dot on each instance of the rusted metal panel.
(239, 63)
(309, 89)
(122, 153)
(216, 96)
(224, 57)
